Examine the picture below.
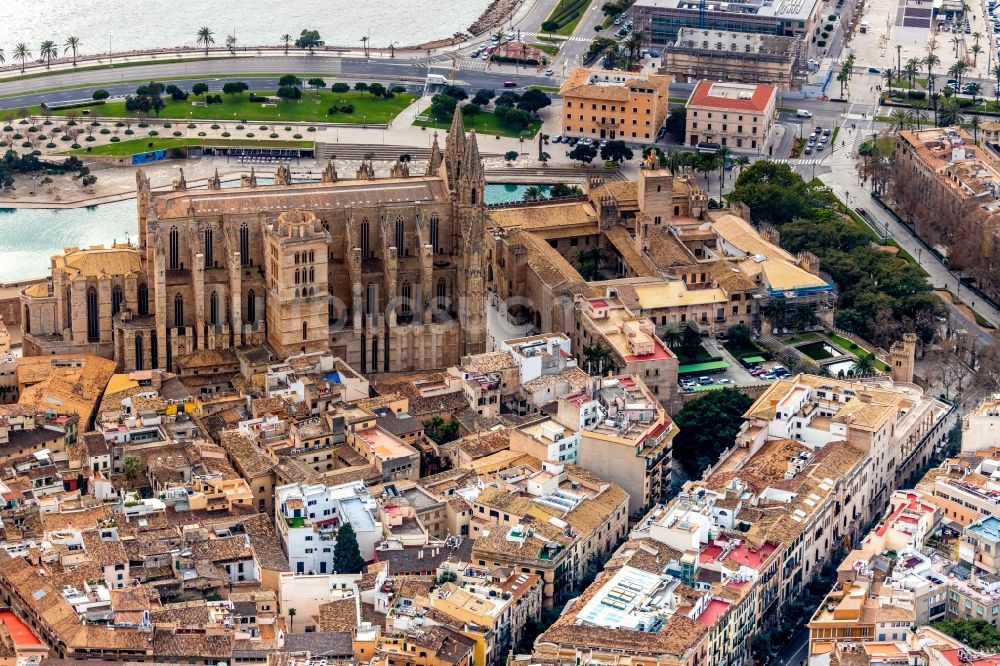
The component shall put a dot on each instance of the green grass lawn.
(133, 146)
(846, 344)
(571, 9)
(550, 49)
(484, 123)
(982, 321)
(546, 89)
(311, 108)
(803, 337)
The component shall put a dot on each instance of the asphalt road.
(252, 70)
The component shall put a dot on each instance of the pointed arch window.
(175, 249)
(400, 241)
(251, 307)
(435, 234)
(93, 322)
(442, 293)
(209, 251)
(244, 245)
(370, 299)
(143, 297)
(213, 309)
(138, 352)
(117, 296)
(364, 239)
(178, 311)
(406, 295)
(305, 330)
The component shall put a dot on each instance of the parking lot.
(736, 374)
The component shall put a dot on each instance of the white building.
(539, 355)
(981, 427)
(309, 515)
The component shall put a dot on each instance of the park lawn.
(141, 145)
(554, 90)
(311, 108)
(581, 6)
(484, 122)
(550, 49)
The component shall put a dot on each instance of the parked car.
(726, 381)
(705, 380)
(558, 138)
(769, 376)
(758, 372)
(550, 72)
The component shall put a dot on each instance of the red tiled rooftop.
(598, 303)
(715, 609)
(19, 631)
(709, 553)
(702, 96)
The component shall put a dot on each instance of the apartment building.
(728, 55)
(581, 514)
(629, 443)
(941, 174)
(981, 425)
(308, 516)
(963, 487)
(738, 116)
(612, 104)
(896, 422)
(492, 610)
(631, 339)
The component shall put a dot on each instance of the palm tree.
(633, 46)
(22, 53)
(975, 124)
(3, 57)
(287, 39)
(977, 36)
(864, 365)
(231, 44)
(955, 41)
(976, 50)
(951, 113)
(597, 357)
(533, 193)
(72, 44)
(131, 466)
(996, 88)
(975, 89)
(930, 61)
(597, 255)
(912, 69)
(919, 108)
(935, 96)
(723, 155)
(741, 162)
(900, 119)
(48, 50)
(206, 37)
(671, 335)
(364, 42)
(889, 74)
(291, 620)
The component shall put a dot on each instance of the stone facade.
(387, 273)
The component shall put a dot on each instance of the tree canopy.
(346, 553)
(309, 39)
(532, 100)
(708, 425)
(881, 294)
(977, 634)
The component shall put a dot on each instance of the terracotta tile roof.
(340, 615)
(707, 93)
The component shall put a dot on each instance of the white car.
(726, 381)
(550, 72)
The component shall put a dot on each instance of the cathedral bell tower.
(466, 182)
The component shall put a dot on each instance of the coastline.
(494, 14)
